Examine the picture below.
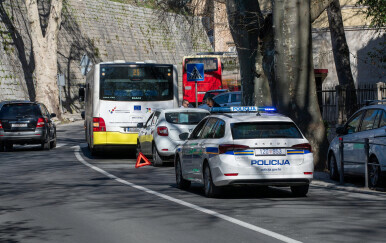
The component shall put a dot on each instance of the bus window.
(210, 64)
(137, 83)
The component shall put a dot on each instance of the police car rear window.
(189, 118)
(256, 130)
(11, 111)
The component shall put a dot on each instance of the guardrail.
(367, 163)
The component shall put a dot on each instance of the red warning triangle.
(139, 158)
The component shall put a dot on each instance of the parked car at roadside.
(368, 122)
(229, 98)
(164, 131)
(26, 122)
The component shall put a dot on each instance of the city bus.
(120, 96)
(221, 71)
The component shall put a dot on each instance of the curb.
(347, 188)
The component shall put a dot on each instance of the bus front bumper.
(115, 138)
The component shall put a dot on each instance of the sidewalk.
(322, 179)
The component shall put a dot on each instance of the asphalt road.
(65, 195)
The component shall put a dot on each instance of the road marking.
(186, 204)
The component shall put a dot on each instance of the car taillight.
(98, 124)
(40, 122)
(1, 125)
(223, 148)
(162, 131)
(305, 146)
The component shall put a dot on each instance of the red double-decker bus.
(221, 71)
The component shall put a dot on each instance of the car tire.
(334, 174)
(138, 150)
(181, 182)
(157, 160)
(45, 145)
(300, 191)
(8, 147)
(53, 143)
(2, 147)
(374, 173)
(210, 189)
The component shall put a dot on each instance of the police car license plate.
(265, 152)
(19, 125)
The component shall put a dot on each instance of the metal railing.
(366, 144)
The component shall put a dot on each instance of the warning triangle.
(139, 158)
(195, 74)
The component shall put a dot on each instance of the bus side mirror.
(81, 94)
(83, 115)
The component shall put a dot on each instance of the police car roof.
(252, 117)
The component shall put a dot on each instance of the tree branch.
(34, 21)
(317, 8)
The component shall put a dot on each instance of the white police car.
(245, 148)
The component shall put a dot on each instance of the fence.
(337, 102)
(367, 162)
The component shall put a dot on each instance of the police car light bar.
(242, 109)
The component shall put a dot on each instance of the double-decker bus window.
(210, 64)
(136, 83)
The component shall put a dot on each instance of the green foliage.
(376, 11)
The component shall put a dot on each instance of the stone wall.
(105, 31)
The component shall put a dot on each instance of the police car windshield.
(185, 117)
(255, 130)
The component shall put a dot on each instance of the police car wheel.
(334, 175)
(181, 182)
(374, 172)
(210, 189)
(300, 191)
(157, 160)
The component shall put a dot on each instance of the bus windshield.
(210, 64)
(136, 82)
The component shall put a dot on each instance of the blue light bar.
(235, 109)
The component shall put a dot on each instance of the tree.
(246, 22)
(45, 46)
(341, 56)
(376, 11)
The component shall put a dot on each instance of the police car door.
(199, 147)
(188, 148)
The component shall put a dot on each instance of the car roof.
(377, 106)
(184, 110)
(252, 117)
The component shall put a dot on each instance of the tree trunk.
(341, 56)
(45, 53)
(245, 21)
(295, 81)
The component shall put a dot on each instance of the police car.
(245, 146)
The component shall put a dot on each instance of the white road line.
(186, 204)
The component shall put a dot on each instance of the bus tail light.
(305, 146)
(223, 148)
(40, 122)
(162, 131)
(98, 124)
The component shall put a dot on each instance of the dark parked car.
(25, 122)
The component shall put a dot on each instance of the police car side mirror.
(140, 125)
(184, 136)
(53, 115)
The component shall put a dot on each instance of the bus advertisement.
(120, 96)
(221, 71)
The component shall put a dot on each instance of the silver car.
(368, 122)
(165, 130)
(229, 98)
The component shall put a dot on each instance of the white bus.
(120, 95)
